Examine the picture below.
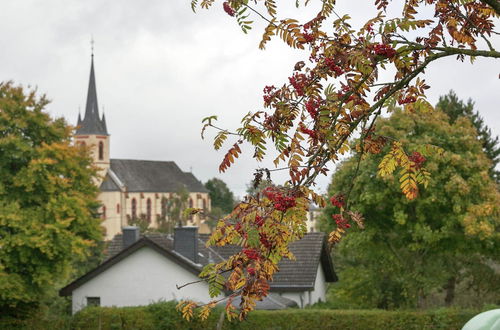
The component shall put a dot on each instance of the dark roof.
(296, 274)
(153, 176)
(91, 123)
(108, 184)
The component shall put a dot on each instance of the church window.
(164, 202)
(204, 204)
(134, 208)
(101, 150)
(190, 203)
(118, 208)
(148, 209)
(104, 212)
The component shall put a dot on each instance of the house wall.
(305, 298)
(319, 292)
(114, 221)
(141, 278)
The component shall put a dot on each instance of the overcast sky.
(160, 69)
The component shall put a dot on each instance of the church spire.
(91, 123)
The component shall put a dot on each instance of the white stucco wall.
(141, 278)
(319, 292)
(304, 298)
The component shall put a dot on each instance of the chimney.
(186, 242)
(130, 236)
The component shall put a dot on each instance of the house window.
(104, 212)
(101, 150)
(118, 208)
(134, 208)
(148, 209)
(93, 301)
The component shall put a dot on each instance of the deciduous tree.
(220, 195)
(47, 199)
(308, 118)
(410, 249)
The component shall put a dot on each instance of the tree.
(456, 108)
(47, 200)
(220, 195)
(309, 119)
(438, 241)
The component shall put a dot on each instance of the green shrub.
(163, 315)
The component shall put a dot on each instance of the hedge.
(163, 316)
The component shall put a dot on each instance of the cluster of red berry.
(269, 94)
(338, 201)
(227, 8)
(312, 106)
(281, 203)
(299, 81)
(251, 271)
(341, 221)
(259, 221)
(417, 158)
(384, 50)
(332, 66)
(252, 254)
(308, 131)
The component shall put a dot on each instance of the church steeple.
(91, 123)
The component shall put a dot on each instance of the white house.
(147, 269)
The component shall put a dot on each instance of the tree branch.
(495, 4)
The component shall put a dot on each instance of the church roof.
(91, 123)
(150, 176)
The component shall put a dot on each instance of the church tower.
(92, 131)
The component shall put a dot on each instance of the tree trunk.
(450, 291)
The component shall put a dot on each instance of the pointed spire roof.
(91, 123)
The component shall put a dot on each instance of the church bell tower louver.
(92, 131)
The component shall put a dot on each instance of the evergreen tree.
(455, 108)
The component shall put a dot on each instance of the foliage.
(172, 213)
(220, 195)
(411, 248)
(456, 108)
(309, 119)
(163, 316)
(47, 198)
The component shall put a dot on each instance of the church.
(134, 189)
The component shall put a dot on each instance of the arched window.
(164, 202)
(134, 208)
(148, 209)
(204, 204)
(118, 208)
(190, 203)
(104, 212)
(101, 150)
